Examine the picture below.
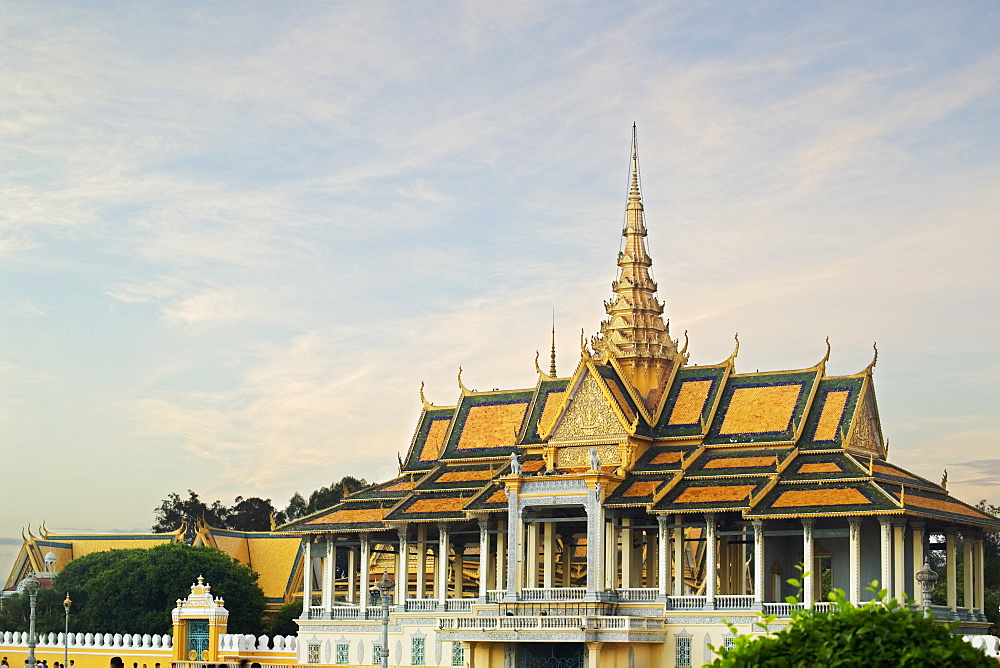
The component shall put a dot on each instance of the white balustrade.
(495, 595)
(316, 612)
(686, 602)
(458, 605)
(637, 595)
(733, 602)
(420, 604)
(344, 612)
(553, 594)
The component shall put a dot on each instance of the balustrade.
(637, 595)
(733, 602)
(686, 602)
(553, 594)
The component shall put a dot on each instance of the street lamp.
(385, 587)
(66, 604)
(31, 585)
(927, 579)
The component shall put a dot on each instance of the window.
(683, 651)
(417, 651)
(312, 653)
(729, 641)
(343, 649)
(457, 654)
(376, 655)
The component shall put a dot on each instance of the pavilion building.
(614, 517)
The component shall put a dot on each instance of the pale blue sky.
(235, 237)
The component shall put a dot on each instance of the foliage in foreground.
(880, 633)
(134, 591)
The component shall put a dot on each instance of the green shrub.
(879, 633)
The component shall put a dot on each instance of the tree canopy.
(246, 514)
(134, 591)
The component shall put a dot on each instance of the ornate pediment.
(589, 414)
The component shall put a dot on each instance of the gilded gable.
(589, 414)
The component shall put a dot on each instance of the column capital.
(854, 521)
(917, 526)
(484, 522)
(663, 520)
(808, 522)
(757, 524)
(710, 517)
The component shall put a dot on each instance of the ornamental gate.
(550, 655)
(197, 639)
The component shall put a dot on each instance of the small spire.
(633, 192)
(552, 365)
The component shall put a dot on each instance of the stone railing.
(686, 602)
(458, 604)
(550, 623)
(637, 595)
(495, 595)
(733, 602)
(420, 604)
(552, 594)
(85, 640)
(236, 643)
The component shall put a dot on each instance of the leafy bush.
(880, 633)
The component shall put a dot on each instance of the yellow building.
(614, 516)
(273, 555)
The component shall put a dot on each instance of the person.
(4, 663)
(116, 662)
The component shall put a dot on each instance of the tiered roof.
(671, 437)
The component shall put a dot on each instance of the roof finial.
(633, 191)
(552, 365)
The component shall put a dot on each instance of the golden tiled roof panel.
(944, 506)
(274, 559)
(553, 402)
(491, 426)
(437, 505)
(830, 417)
(641, 488)
(822, 497)
(758, 410)
(667, 457)
(714, 494)
(690, 402)
(465, 476)
(435, 440)
(820, 467)
(741, 462)
(349, 516)
(401, 486)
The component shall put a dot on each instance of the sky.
(236, 237)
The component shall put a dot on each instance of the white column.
(808, 562)
(951, 569)
(758, 562)
(402, 568)
(458, 572)
(548, 554)
(711, 560)
(531, 555)
(352, 574)
(917, 541)
(663, 561)
(628, 555)
(328, 573)
(652, 559)
(980, 576)
(595, 543)
(968, 568)
(885, 553)
(365, 580)
(898, 560)
(306, 575)
(569, 543)
(515, 549)
(484, 557)
(500, 561)
(678, 556)
(441, 572)
(421, 560)
(855, 559)
(611, 554)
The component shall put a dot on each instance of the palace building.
(614, 517)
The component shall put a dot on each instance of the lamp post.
(927, 579)
(31, 585)
(385, 587)
(66, 604)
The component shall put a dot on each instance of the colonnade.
(644, 555)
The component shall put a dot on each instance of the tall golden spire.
(552, 365)
(634, 333)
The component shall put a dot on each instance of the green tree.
(252, 514)
(134, 591)
(324, 497)
(283, 622)
(174, 511)
(296, 508)
(877, 634)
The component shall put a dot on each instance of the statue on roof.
(515, 463)
(595, 461)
